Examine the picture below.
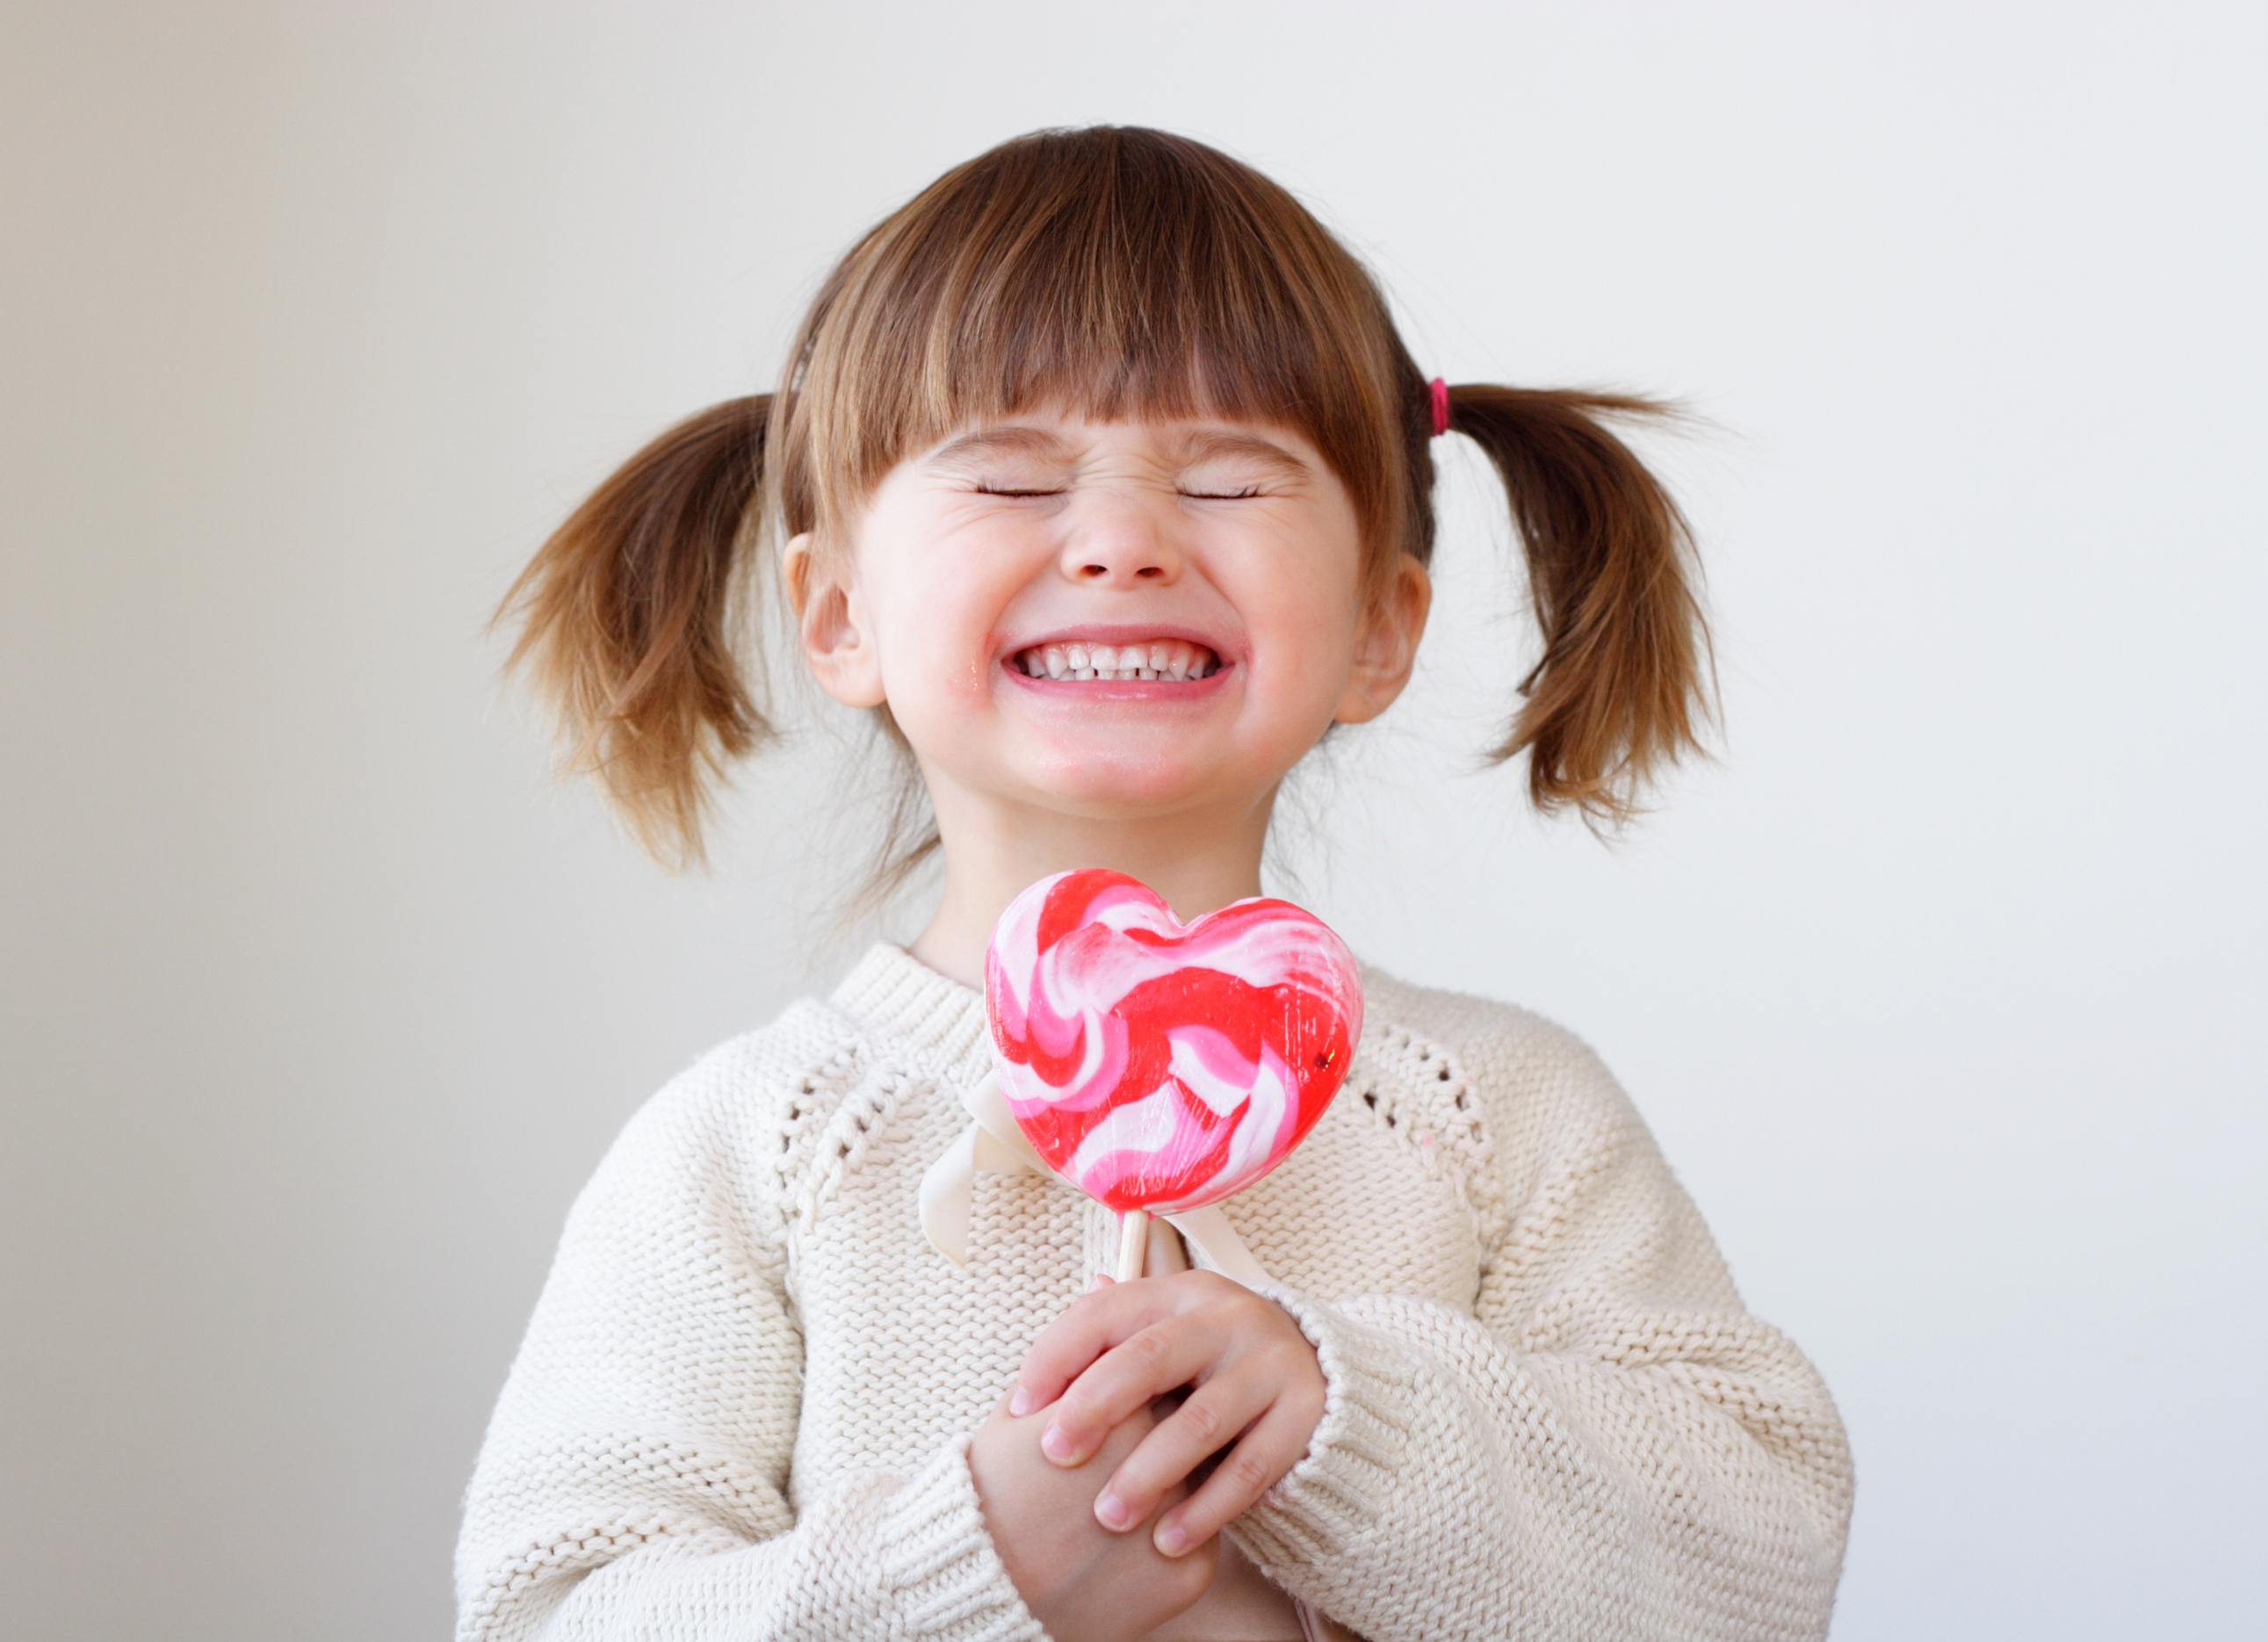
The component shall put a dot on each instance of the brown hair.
(1114, 272)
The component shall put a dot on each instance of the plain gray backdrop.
(1942, 989)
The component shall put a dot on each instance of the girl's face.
(1118, 620)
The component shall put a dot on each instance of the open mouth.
(1176, 660)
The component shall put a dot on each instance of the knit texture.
(743, 1406)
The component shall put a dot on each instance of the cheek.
(935, 641)
(936, 669)
(1310, 615)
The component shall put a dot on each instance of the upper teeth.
(1156, 658)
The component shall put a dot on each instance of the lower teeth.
(1037, 669)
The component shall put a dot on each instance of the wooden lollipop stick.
(1133, 1243)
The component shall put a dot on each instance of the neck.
(1198, 861)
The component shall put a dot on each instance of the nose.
(1122, 542)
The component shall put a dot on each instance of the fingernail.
(1111, 1511)
(1055, 1442)
(1020, 1403)
(1170, 1539)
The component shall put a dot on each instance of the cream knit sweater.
(743, 1407)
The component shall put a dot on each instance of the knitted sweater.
(744, 1404)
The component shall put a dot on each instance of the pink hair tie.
(1440, 392)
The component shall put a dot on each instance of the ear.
(830, 618)
(1386, 644)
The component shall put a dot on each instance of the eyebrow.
(1209, 442)
(972, 448)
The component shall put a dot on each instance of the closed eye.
(999, 490)
(1244, 494)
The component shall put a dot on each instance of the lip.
(1162, 691)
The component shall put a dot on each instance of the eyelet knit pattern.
(743, 1406)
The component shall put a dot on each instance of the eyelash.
(1246, 495)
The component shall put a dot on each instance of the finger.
(1162, 1357)
(1208, 1421)
(1094, 1322)
(1273, 1446)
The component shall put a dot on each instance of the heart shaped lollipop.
(1159, 1065)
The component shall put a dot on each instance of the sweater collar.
(939, 1022)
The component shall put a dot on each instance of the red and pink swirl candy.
(1159, 1065)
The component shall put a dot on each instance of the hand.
(1256, 1384)
(1082, 1584)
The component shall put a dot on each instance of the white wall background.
(1943, 992)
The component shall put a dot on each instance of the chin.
(1122, 789)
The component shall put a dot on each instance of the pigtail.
(1625, 683)
(628, 618)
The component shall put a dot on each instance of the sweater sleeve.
(1609, 1447)
(633, 1483)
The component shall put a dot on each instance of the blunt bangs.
(1115, 274)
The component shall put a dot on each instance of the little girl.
(1101, 475)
